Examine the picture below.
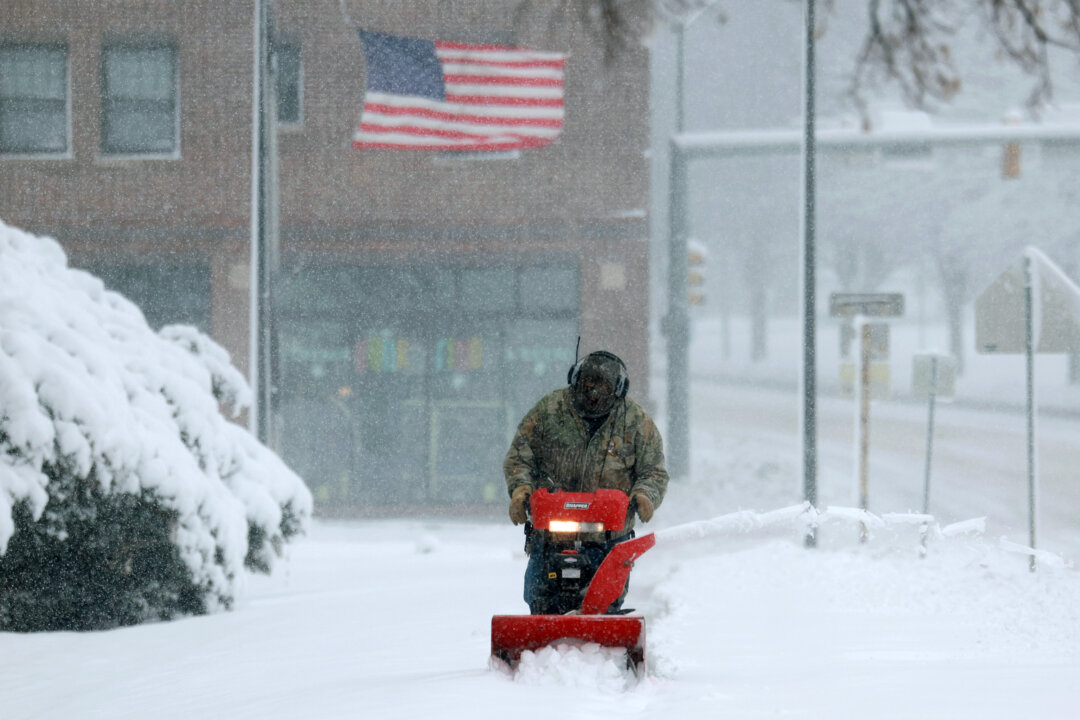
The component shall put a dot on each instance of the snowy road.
(979, 461)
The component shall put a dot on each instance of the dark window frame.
(37, 105)
(111, 106)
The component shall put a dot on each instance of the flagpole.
(263, 224)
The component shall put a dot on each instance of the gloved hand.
(519, 501)
(645, 506)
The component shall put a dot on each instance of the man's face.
(595, 392)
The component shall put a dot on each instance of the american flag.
(425, 95)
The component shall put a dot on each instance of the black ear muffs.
(622, 385)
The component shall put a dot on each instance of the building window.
(33, 99)
(289, 87)
(139, 107)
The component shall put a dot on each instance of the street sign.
(869, 304)
(928, 380)
(1000, 325)
(1031, 308)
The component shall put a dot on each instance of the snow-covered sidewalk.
(390, 619)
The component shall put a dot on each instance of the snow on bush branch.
(96, 407)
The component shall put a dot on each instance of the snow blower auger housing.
(583, 576)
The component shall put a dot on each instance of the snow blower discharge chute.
(567, 529)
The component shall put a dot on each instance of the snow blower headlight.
(572, 526)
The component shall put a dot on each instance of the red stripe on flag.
(522, 144)
(382, 109)
(496, 100)
(374, 128)
(502, 80)
(444, 44)
(553, 64)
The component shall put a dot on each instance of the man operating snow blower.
(582, 438)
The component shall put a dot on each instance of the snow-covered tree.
(125, 494)
(872, 220)
(747, 222)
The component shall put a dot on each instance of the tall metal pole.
(680, 47)
(263, 223)
(809, 373)
(925, 531)
(1029, 342)
(863, 420)
(930, 433)
(677, 322)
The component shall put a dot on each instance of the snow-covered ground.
(391, 618)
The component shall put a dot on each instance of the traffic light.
(696, 256)
(1010, 155)
(1010, 161)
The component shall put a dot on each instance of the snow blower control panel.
(569, 512)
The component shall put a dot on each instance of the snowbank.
(94, 401)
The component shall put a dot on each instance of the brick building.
(424, 300)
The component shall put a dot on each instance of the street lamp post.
(809, 372)
(263, 223)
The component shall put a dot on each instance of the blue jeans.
(535, 583)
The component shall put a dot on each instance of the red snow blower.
(583, 576)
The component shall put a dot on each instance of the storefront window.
(428, 368)
(486, 289)
(549, 288)
(314, 356)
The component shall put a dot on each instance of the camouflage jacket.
(552, 449)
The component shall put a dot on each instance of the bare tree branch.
(907, 42)
(615, 23)
(1026, 29)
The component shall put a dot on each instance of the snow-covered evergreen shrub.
(125, 494)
